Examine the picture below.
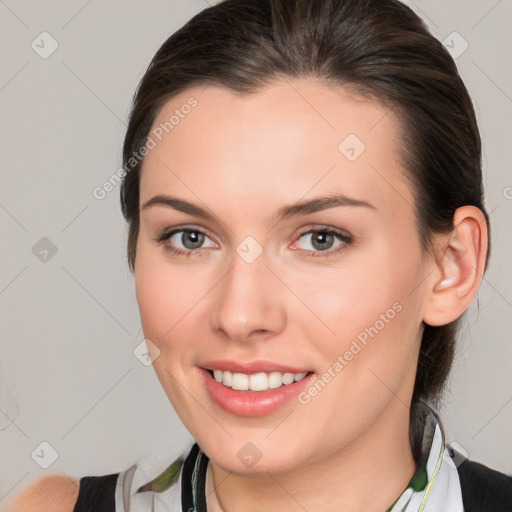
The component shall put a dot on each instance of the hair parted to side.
(376, 48)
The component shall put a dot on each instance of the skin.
(242, 158)
(57, 493)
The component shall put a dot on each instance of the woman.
(304, 197)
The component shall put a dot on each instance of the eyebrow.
(299, 208)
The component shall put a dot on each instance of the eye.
(323, 240)
(185, 241)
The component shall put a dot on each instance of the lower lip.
(252, 403)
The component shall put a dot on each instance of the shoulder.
(484, 488)
(58, 493)
(54, 492)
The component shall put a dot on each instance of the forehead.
(290, 140)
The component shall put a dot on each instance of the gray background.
(70, 323)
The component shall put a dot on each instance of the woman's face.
(259, 286)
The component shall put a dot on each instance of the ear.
(460, 265)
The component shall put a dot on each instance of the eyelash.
(345, 238)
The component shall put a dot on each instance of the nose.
(249, 303)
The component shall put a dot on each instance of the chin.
(253, 457)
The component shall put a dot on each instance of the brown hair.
(377, 48)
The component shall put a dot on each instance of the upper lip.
(251, 367)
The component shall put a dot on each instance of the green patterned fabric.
(417, 483)
(164, 480)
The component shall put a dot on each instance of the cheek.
(153, 295)
(164, 294)
(364, 311)
(166, 297)
(172, 300)
(343, 299)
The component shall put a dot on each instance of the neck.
(369, 475)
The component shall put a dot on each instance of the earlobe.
(460, 266)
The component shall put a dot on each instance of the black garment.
(483, 489)
(97, 494)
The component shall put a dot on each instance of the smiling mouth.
(261, 381)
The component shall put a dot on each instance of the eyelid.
(313, 228)
(167, 233)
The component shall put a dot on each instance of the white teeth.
(227, 378)
(275, 380)
(257, 381)
(240, 381)
(288, 378)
